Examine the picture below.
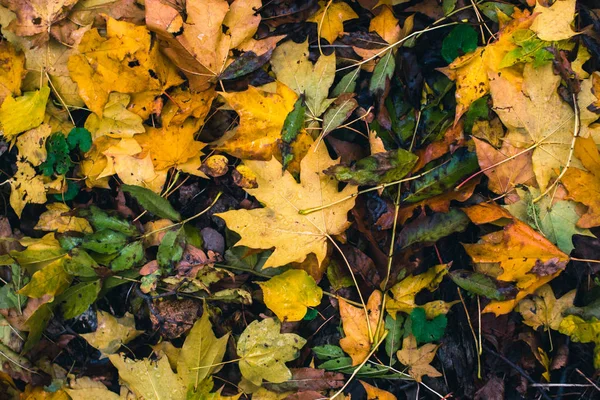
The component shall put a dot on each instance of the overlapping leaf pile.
(222, 199)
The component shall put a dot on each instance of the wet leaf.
(264, 351)
(290, 294)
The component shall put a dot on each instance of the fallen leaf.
(12, 70)
(19, 114)
(26, 187)
(506, 173)
(263, 351)
(582, 331)
(555, 219)
(584, 187)
(554, 23)
(112, 332)
(330, 19)
(116, 120)
(149, 379)
(518, 250)
(120, 61)
(374, 393)
(536, 115)
(262, 115)
(32, 144)
(360, 329)
(35, 17)
(173, 147)
(293, 68)
(544, 309)
(417, 359)
(405, 291)
(279, 224)
(201, 353)
(54, 219)
(290, 294)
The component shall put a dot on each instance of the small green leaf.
(341, 109)
(72, 192)
(461, 40)
(448, 6)
(170, 249)
(478, 110)
(491, 9)
(100, 220)
(379, 168)
(37, 324)
(58, 160)
(444, 177)
(293, 124)
(105, 241)
(347, 84)
(382, 73)
(80, 263)
(431, 228)
(130, 256)
(328, 352)
(395, 329)
(152, 202)
(80, 137)
(484, 285)
(424, 330)
(78, 298)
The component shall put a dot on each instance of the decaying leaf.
(112, 333)
(545, 309)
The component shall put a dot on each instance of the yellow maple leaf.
(404, 292)
(262, 115)
(554, 23)
(174, 147)
(374, 393)
(32, 144)
(12, 69)
(19, 114)
(51, 61)
(116, 120)
(536, 115)
(56, 218)
(330, 19)
(293, 68)
(417, 359)
(360, 332)
(471, 70)
(184, 104)
(544, 309)
(121, 61)
(386, 25)
(201, 47)
(280, 225)
(26, 187)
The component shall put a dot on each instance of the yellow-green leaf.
(264, 351)
(19, 114)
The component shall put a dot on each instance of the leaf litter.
(299, 200)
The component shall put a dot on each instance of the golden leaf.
(417, 359)
(360, 330)
(280, 225)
